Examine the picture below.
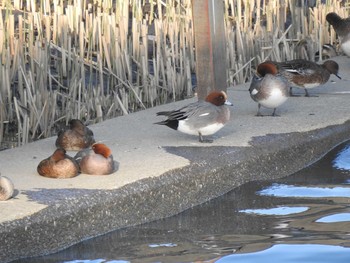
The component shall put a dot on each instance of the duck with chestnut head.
(97, 160)
(58, 165)
(201, 118)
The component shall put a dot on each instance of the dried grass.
(95, 60)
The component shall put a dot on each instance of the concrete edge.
(80, 214)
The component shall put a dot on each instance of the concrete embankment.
(163, 172)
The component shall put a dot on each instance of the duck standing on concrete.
(307, 74)
(268, 88)
(342, 27)
(76, 137)
(202, 118)
(58, 165)
(6, 188)
(97, 160)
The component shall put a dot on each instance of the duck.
(342, 27)
(202, 118)
(76, 137)
(268, 88)
(6, 188)
(58, 165)
(306, 74)
(97, 160)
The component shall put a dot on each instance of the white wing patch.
(254, 92)
(204, 114)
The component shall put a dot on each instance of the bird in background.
(202, 118)
(96, 160)
(58, 165)
(306, 74)
(268, 88)
(327, 52)
(76, 137)
(342, 27)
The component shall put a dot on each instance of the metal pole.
(210, 46)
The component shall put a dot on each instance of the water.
(301, 218)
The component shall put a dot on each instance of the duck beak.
(228, 103)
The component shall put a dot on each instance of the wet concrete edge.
(73, 215)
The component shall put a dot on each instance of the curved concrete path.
(163, 172)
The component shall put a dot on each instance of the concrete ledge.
(86, 213)
(163, 172)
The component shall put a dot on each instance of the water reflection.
(283, 210)
(256, 222)
(292, 254)
(341, 217)
(342, 160)
(304, 191)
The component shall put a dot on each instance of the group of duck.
(91, 157)
(270, 88)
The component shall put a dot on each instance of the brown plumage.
(76, 137)
(58, 165)
(306, 74)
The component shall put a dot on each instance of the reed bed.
(276, 30)
(95, 60)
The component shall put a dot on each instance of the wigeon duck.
(202, 118)
(307, 74)
(342, 27)
(6, 188)
(76, 137)
(268, 88)
(97, 160)
(58, 165)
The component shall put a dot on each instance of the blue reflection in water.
(97, 261)
(342, 161)
(283, 190)
(282, 210)
(293, 253)
(341, 217)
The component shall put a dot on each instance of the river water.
(304, 217)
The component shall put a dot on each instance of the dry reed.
(94, 60)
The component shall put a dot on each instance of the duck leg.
(258, 113)
(274, 113)
(201, 139)
(307, 94)
(291, 94)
